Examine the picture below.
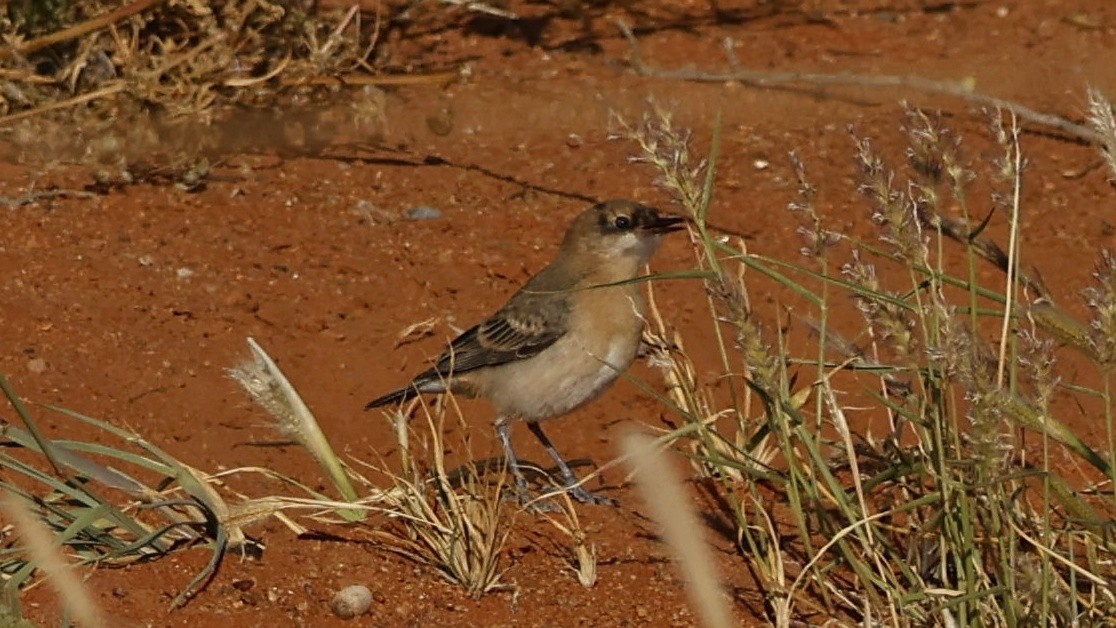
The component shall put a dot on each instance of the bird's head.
(620, 229)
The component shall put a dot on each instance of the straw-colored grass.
(450, 519)
(453, 520)
(976, 505)
(164, 91)
(662, 489)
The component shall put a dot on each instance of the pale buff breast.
(601, 343)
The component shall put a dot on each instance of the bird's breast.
(601, 341)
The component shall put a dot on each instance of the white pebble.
(352, 601)
(424, 212)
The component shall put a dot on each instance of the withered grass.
(977, 504)
(162, 91)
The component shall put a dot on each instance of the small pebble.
(184, 273)
(243, 584)
(36, 365)
(352, 601)
(423, 212)
(440, 123)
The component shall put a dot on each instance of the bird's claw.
(532, 505)
(588, 497)
(536, 505)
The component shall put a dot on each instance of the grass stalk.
(944, 521)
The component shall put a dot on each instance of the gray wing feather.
(524, 328)
(533, 319)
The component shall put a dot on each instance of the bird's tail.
(396, 396)
(424, 383)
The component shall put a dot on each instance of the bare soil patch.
(129, 304)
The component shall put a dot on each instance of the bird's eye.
(623, 223)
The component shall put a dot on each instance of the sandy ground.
(130, 305)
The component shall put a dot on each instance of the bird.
(562, 339)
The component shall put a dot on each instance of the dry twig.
(32, 197)
(760, 78)
(84, 28)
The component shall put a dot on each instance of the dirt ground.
(130, 306)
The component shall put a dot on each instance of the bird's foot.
(587, 497)
(520, 492)
(537, 505)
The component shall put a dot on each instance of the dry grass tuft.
(269, 388)
(962, 513)
(160, 91)
(581, 558)
(1103, 121)
(452, 520)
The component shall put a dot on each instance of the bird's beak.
(665, 224)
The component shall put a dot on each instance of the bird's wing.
(533, 319)
(527, 325)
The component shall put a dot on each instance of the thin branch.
(433, 78)
(63, 104)
(761, 78)
(88, 26)
(27, 199)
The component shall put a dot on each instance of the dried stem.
(84, 28)
(760, 78)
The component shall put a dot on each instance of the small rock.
(243, 584)
(440, 123)
(423, 212)
(352, 601)
(146, 260)
(184, 273)
(36, 365)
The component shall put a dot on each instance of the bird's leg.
(571, 485)
(503, 430)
